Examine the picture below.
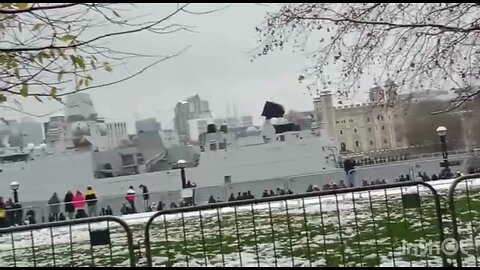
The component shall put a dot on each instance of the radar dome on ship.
(30, 146)
(43, 146)
(80, 128)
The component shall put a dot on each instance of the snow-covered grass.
(332, 230)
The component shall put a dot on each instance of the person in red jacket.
(79, 204)
(131, 198)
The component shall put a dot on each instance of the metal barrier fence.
(464, 207)
(362, 226)
(80, 242)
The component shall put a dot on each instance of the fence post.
(451, 202)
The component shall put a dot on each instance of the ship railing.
(361, 226)
(403, 158)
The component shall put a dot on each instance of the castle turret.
(325, 114)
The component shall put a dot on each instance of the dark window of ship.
(228, 179)
(127, 160)
(213, 147)
(282, 138)
(222, 145)
(140, 159)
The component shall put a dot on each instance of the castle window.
(383, 127)
(341, 132)
(368, 119)
(369, 129)
(355, 130)
(351, 121)
(371, 142)
(357, 143)
(338, 122)
(385, 141)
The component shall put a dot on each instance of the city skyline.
(217, 66)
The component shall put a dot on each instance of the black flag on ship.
(271, 110)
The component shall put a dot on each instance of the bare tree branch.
(42, 46)
(417, 45)
(36, 8)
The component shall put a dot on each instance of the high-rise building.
(55, 130)
(185, 110)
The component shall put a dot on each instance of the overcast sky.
(217, 67)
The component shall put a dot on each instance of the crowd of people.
(78, 205)
(241, 196)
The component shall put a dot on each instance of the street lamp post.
(14, 186)
(188, 194)
(18, 213)
(182, 164)
(442, 133)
